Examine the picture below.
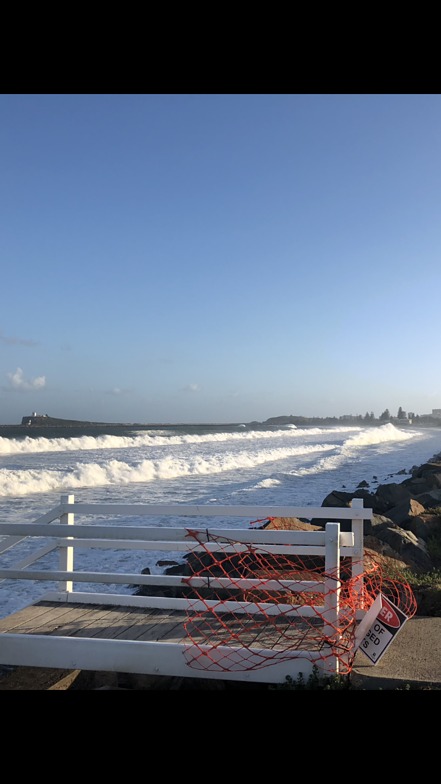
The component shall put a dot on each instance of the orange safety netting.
(276, 618)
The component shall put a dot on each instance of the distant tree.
(385, 414)
(411, 415)
(401, 414)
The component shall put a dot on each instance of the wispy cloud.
(191, 388)
(18, 381)
(12, 341)
(118, 391)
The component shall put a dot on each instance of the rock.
(409, 547)
(400, 514)
(167, 563)
(292, 524)
(429, 500)
(424, 526)
(338, 498)
(390, 495)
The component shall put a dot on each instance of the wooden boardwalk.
(112, 622)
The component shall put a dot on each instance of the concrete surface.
(413, 659)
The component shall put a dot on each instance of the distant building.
(436, 413)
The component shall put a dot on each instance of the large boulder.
(400, 514)
(342, 499)
(424, 526)
(390, 495)
(429, 500)
(406, 544)
(291, 524)
(424, 484)
(431, 467)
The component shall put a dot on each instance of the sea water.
(239, 464)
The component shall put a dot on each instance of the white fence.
(168, 658)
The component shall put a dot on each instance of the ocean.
(190, 464)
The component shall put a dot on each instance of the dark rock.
(409, 548)
(424, 526)
(183, 569)
(338, 498)
(400, 514)
(390, 495)
(167, 563)
(426, 468)
(429, 500)
(424, 484)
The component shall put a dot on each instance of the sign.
(378, 628)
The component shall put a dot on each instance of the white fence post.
(358, 557)
(67, 553)
(332, 587)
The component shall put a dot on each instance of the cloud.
(18, 381)
(118, 391)
(192, 388)
(11, 341)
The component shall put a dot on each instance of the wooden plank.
(168, 626)
(31, 617)
(85, 621)
(279, 634)
(134, 623)
(120, 623)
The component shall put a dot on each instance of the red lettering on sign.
(388, 615)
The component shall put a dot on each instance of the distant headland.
(35, 421)
(44, 420)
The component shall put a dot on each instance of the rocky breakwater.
(404, 535)
(405, 531)
(406, 520)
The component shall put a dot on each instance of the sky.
(219, 258)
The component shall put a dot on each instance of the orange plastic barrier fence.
(276, 617)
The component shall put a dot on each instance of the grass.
(315, 682)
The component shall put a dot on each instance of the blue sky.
(219, 257)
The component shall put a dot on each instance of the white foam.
(380, 435)
(25, 482)
(28, 445)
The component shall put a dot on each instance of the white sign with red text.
(378, 628)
